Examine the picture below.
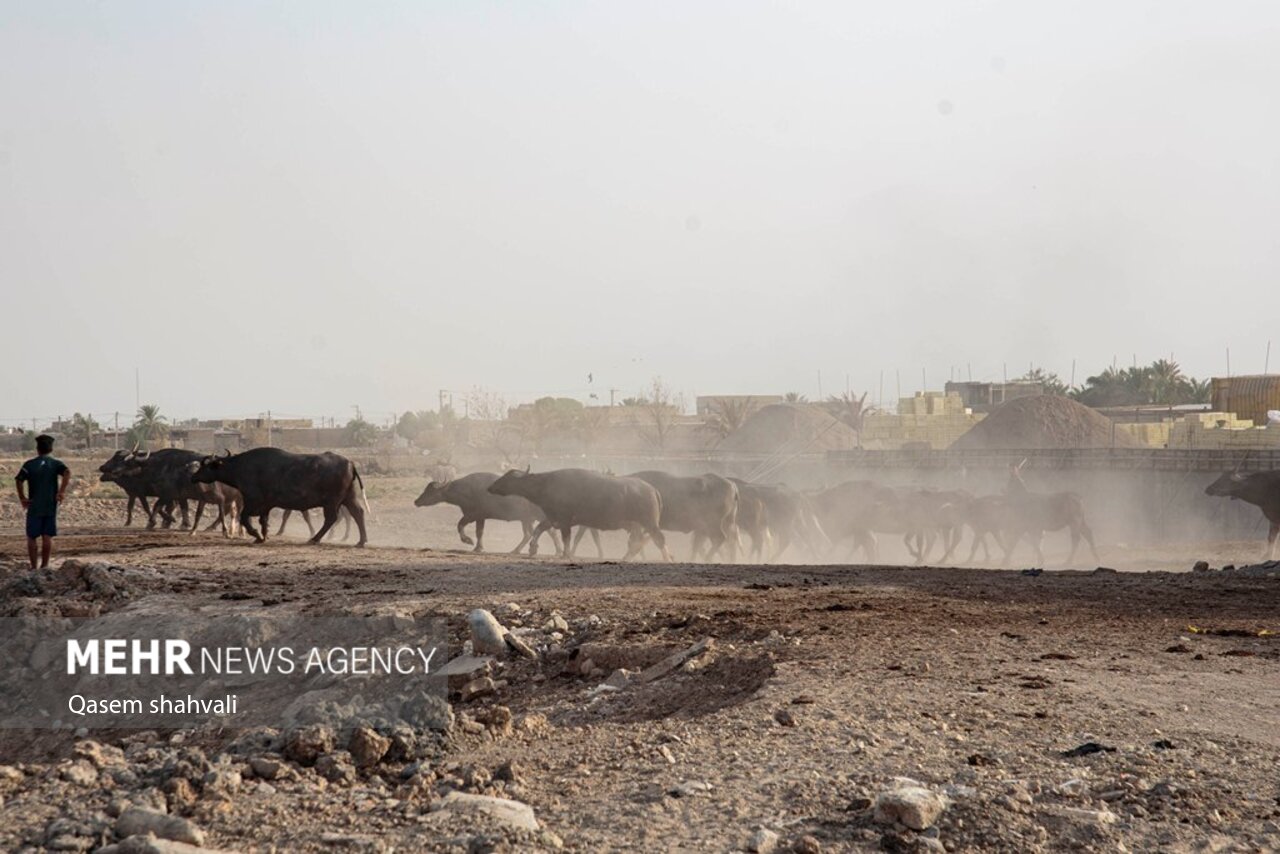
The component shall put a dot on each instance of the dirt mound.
(1043, 421)
(791, 427)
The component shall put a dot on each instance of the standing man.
(46, 493)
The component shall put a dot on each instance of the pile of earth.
(791, 427)
(1040, 422)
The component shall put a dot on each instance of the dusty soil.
(823, 685)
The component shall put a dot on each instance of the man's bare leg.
(46, 549)
(31, 551)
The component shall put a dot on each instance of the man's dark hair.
(44, 444)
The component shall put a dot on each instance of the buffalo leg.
(246, 525)
(1271, 539)
(195, 523)
(330, 519)
(356, 511)
(1088, 538)
(543, 527)
(462, 533)
(479, 534)
(566, 538)
(660, 540)
(186, 515)
(526, 532)
(284, 520)
(577, 538)
(635, 542)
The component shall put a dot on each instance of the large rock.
(367, 747)
(307, 744)
(511, 813)
(488, 636)
(140, 822)
(911, 806)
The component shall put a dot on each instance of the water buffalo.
(705, 506)
(471, 495)
(1029, 514)
(269, 477)
(1261, 489)
(788, 517)
(134, 485)
(167, 475)
(752, 518)
(571, 497)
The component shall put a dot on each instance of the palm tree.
(848, 408)
(150, 425)
(1165, 381)
(730, 413)
(1197, 391)
(794, 397)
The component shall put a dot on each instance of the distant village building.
(984, 397)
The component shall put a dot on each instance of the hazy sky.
(303, 207)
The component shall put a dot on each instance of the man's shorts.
(42, 526)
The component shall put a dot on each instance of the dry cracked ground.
(813, 708)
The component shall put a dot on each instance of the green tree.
(545, 417)
(360, 433)
(83, 428)
(794, 397)
(1050, 382)
(149, 426)
(413, 424)
(1160, 383)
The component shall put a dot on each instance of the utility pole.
(137, 388)
(117, 431)
(612, 393)
(268, 428)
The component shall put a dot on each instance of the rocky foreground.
(597, 706)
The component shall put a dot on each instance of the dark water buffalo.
(269, 477)
(167, 473)
(471, 495)
(752, 518)
(164, 475)
(788, 518)
(1261, 489)
(705, 506)
(1029, 514)
(135, 486)
(571, 497)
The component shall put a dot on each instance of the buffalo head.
(114, 467)
(205, 469)
(433, 494)
(1225, 486)
(509, 483)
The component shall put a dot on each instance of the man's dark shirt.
(42, 475)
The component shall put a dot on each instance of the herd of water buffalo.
(728, 518)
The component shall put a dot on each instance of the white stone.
(763, 841)
(488, 636)
(512, 813)
(911, 806)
